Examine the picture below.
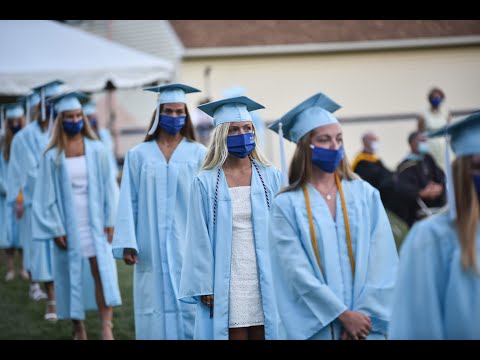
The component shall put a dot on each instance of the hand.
(356, 325)
(19, 210)
(61, 242)
(130, 256)
(427, 193)
(109, 232)
(207, 300)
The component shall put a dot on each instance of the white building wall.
(365, 84)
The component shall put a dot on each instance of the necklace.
(327, 194)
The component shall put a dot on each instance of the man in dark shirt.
(423, 178)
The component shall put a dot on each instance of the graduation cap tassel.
(42, 99)
(157, 114)
(50, 123)
(27, 110)
(2, 122)
(452, 209)
(282, 156)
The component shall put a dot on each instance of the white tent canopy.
(37, 51)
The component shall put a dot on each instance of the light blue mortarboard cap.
(464, 138)
(14, 110)
(171, 93)
(464, 135)
(65, 102)
(69, 101)
(46, 90)
(310, 114)
(231, 110)
(29, 100)
(89, 109)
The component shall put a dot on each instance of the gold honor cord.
(347, 226)
(314, 238)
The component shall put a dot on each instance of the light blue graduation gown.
(54, 215)
(206, 269)
(106, 139)
(25, 153)
(9, 237)
(308, 301)
(434, 298)
(151, 219)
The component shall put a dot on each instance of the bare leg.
(238, 333)
(79, 332)
(50, 290)
(23, 274)
(106, 312)
(256, 332)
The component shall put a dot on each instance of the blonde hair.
(217, 151)
(59, 138)
(301, 165)
(186, 131)
(6, 141)
(467, 206)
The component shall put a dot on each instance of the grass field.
(22, 317)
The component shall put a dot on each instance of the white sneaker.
(36, 293)
(10, 275)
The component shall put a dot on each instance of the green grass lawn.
(22, 317)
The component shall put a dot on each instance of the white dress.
(77, 170)
(245, 307)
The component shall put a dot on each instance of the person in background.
(433, 118)
(424, 180)
(437, 292)
(9, 237)
(27, 147)
(90, 111)
(202, 123)
(333, 255)
(226, 271)
(74, 202)
(369, 166)
(151, 221)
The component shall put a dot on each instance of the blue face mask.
(436, 101)
(93, 121)
(326, 159)
(476, 182)
(15, 128)
(422, 147)
(72, 128)
(172, 125)
(241, 145)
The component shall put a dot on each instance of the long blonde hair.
(6, 141)
(186, 131)
(59, 138)
(217, 152)
(301, 165)
(467, 206)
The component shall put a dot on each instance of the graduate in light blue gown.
(437, 295)
(90, 111)
(333, 254)
(9, 236)
(226, 271)
(27, 148)
(74, 202)
(151, 221)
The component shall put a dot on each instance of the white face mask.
(423, 147)
(375, 146)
